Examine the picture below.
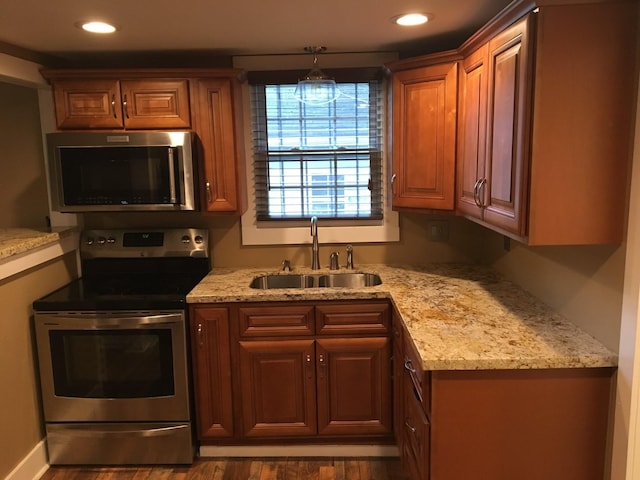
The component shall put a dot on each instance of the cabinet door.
(504, 194)
(354, 386)
(424, 137)
(81, 104)
(397, 334)
(278, 388)
(216, 128)
(212, 372)
(415, 452)
(152, 103)
(472, 127)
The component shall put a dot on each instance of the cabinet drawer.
(353, 318)
(419, 378)
(415, 445)
(275, 320)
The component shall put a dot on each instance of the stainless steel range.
(112, 349)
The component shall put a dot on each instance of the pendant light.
(316, 88)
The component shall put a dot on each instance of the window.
(318, 160)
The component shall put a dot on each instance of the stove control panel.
(119, 243)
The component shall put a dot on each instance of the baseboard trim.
(299, 451)
(33, 465)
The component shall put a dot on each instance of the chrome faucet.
(315, 253)
(350, 257)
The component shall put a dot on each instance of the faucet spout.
(315, 252)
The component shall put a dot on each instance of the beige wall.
(22, 176)
(227, 251)
(583, 283)
(20, 412)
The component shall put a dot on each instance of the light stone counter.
(460, 317)
(14, 241)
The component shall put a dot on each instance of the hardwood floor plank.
(285, 468)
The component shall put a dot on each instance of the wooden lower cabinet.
(278, 388)
(292, 370)
(354, 386)
(212, 372)
(507, 424)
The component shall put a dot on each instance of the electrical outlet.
(438, 230)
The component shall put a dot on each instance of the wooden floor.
(244, 469)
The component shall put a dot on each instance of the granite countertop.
(460, 317)
(14, 241)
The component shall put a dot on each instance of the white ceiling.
(239, 27)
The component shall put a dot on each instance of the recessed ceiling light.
(98, 27)
(411, 19)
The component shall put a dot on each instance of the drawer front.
(353, 318)
(419, 378)
(275, 320)
(415, 445)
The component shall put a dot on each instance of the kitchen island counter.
(460, 317)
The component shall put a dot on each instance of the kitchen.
(585, 284)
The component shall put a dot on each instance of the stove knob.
(111, 240)
(186, 239)
(101, 240)
(89, 241)
(199, 239)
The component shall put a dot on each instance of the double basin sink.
(346, 280)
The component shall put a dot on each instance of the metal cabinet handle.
(409, 366)
(393, 178)
(208, 188)
(409, 427)
(476, 200)
(126, 109)
(113, 106)
(482, 183)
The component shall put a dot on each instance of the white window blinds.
(322, 160)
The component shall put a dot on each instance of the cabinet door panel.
(472, 131)
(278, 388)
(156, 103)
(424, 129)
(217, 132)
(212, 372)
(354, 386)
(87, 104)
(508, 123)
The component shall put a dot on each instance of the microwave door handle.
(172, 177)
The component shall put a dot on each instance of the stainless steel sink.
(345, 280)
(349, 280)
(265, 282)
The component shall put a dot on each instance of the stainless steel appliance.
(112, 349)
(122, 171)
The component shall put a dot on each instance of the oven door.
(113, 366)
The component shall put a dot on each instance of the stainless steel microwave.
(122, 171)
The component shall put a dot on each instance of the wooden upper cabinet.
(504, 186)
(219, 127)
(424, 137)
(155, 103)
(543, 155)
(492, 130)
(93, 103)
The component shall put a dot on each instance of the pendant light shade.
(316, 88)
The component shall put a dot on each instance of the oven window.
(112, 364)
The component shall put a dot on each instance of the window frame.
(292, 232)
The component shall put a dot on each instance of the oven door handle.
(95, 431)
(109, 320)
